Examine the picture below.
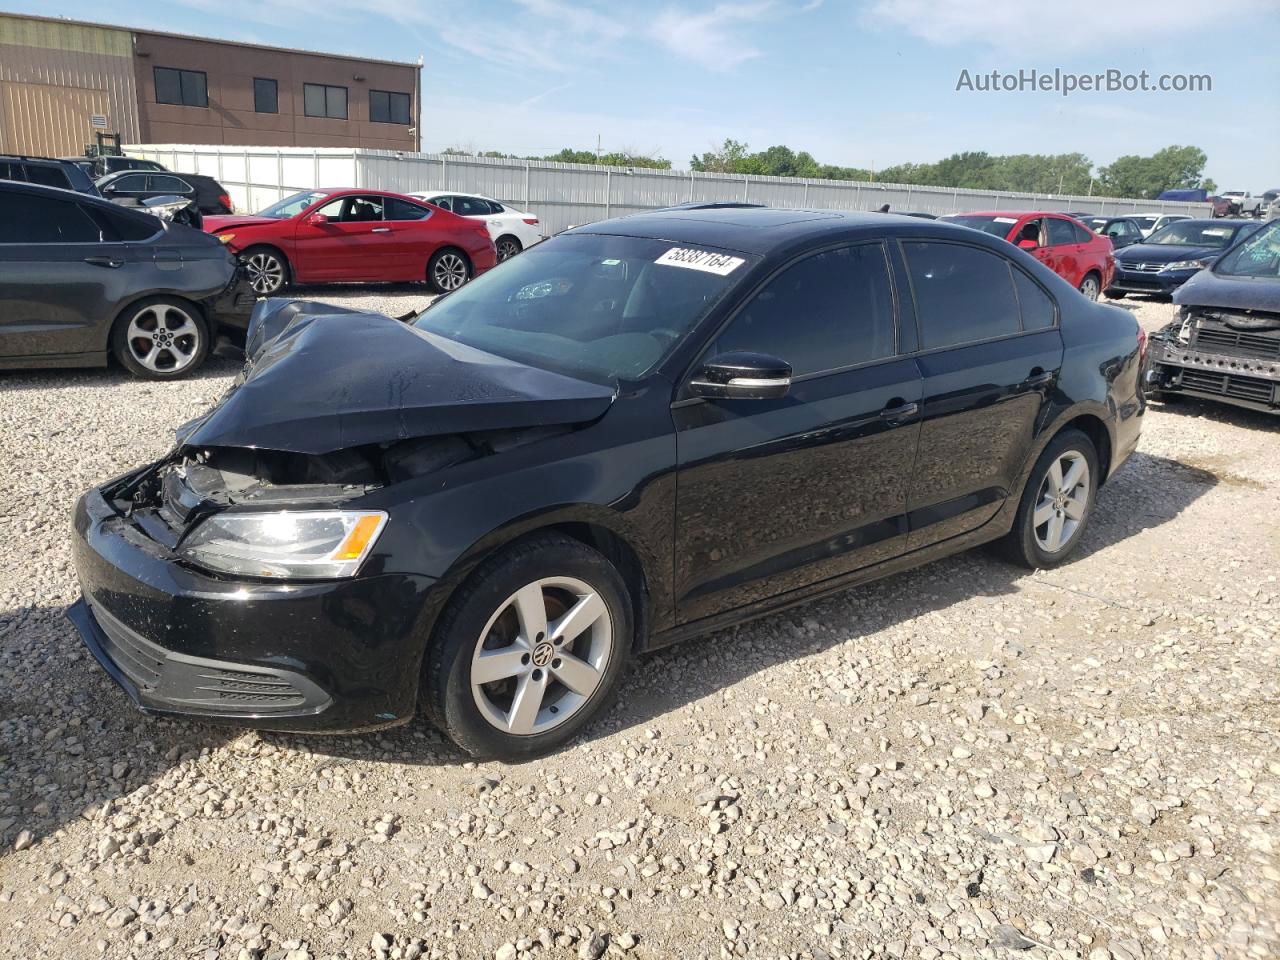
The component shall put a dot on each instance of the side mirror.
(317, 219)
(1026, 244)
(742, 375)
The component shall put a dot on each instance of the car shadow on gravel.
(1188, 406)
(72, 739)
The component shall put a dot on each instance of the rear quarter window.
(962, 294)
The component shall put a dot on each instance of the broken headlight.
(302, 543)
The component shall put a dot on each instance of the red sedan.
(1067, 247)
(319, 236)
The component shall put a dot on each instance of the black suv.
(130, 187)
(47, 172)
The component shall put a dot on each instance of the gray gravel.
(963, 761)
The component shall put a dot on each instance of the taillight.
(225, 200)
(531, 221)
(1142, 346)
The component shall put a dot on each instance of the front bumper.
(330, 656)
(1173, 367)
(1137, 281)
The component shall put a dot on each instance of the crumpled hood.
(1207, 289)
(320, 378)
(1164, 253)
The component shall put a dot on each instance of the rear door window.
(167, 183)
(470, 207)
(829, 311)
(1062, 232)
(962, 294)
(47, 176)
(403, 210)
(26, 218)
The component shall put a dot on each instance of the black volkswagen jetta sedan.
(642, 430)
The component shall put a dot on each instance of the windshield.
(1259, 256)
(292, 206)
(1095, 223)
(1193, 233)
(595, 307)
(1146, 223)
(996, 226)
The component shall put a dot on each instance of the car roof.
(771, 230)
(1014, 213)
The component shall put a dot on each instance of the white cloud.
(1040, 30)
(706, 38)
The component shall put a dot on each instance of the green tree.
(1168, 169)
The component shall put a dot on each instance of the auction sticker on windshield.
(704, 260)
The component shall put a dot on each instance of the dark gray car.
(81, 278)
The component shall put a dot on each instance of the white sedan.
(510, 229)
(1149, 223)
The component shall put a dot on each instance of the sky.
(861, 83)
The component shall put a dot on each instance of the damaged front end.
(1219, 353)
(248, 574)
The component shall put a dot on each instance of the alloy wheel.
(265, 271)
(450, 272)
(1089, 287)
(1061, 502)
(507, 248)
(163, 338)
(541, 656)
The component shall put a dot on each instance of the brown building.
(62, 80)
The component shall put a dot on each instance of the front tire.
(266, 270)
(1090, 286)
(447, 270)
(1114, 294)
(529, 650)
(160, 338)
(1056, 503)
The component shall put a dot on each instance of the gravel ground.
(962, 761)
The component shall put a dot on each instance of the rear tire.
(160, 338)
(1056, 503)
(545, 687)
(507, 247)
(448, 269)
(1090, 286)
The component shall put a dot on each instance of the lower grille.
(140, 664)
(1239, 388)
(187, 682)
(1262, 346)
(1131, 283)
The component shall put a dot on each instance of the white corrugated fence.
(562, 194)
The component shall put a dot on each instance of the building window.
(319, 100)
(266, 95)
(186, 88)
(387, 107)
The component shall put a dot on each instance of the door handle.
(105, 261)
(900, 412)
(1039, 378)
(380, 230)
